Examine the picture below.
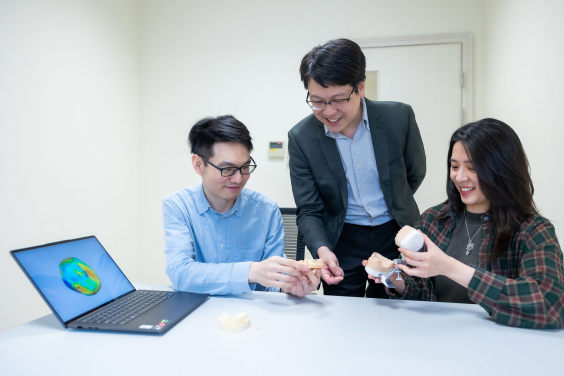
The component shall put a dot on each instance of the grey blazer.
(318, 178)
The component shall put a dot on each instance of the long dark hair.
(502, 169)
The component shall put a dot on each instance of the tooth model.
(409, 238)
(378, 265)
(234, 323)
(313, 264)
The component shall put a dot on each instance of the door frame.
(467, 44)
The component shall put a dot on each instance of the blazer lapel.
(333, 158)
(331, 153)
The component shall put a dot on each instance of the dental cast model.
(378, 265)
(313, 264)
(409, 238)
(383, 268)
(234, 323)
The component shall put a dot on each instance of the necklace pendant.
(469, 247)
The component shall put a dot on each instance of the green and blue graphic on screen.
(79, 277)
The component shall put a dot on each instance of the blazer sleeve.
(414, 155)
(308, 200)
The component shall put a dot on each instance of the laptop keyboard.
(129, 308)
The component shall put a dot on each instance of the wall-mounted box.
(276, 149)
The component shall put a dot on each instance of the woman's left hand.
(427, 264)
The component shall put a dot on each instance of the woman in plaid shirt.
(508, 260)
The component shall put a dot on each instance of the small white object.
(257, 327)
(413, 241)
(234, 323)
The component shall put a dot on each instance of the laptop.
(86, 290)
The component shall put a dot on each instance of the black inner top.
(446, 289)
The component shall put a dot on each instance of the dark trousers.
(355, 244)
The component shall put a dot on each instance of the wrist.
(252, 272)
(399, 284)
(448, 266)
(460, 273)
(323, 252)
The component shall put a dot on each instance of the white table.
(317, 335)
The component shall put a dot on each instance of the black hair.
(338, 62)
(209, 131)
(502, 169)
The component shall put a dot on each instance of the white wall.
(69, 134)
(524, 86)
(97, 98)
(206, 58)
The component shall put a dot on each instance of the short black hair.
(209, 131)
(338, 62)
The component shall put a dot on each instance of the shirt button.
(368, 207)
(221, 245)
(358, 165)
(481, 263)
(362, 187)
(487, 235)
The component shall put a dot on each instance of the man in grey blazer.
(355, 165)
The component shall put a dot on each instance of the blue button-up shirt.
(211, 252)
(366, 204)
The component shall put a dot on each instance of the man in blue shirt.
(222, 238)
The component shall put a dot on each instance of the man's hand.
(331, 272)
(269, 272)
(304, 285)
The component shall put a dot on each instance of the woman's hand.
(399, 285)
(427, 264)
(435, 262)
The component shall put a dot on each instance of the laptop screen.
(74, 276)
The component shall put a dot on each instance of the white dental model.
(409, 238)
(383, 268)
(378, 265)
(234, 323)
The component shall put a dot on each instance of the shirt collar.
(363, 122)
(203, 205)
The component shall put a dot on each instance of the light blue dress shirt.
(366, 204)
(210, 252)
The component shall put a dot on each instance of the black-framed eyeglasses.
(230, 171)
(336, 104)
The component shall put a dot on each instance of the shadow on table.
(433, 308)
(264, 297)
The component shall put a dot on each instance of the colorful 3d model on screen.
(79, 277)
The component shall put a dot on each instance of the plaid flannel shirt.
(524, 287)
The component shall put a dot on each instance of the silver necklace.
(470, 245)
